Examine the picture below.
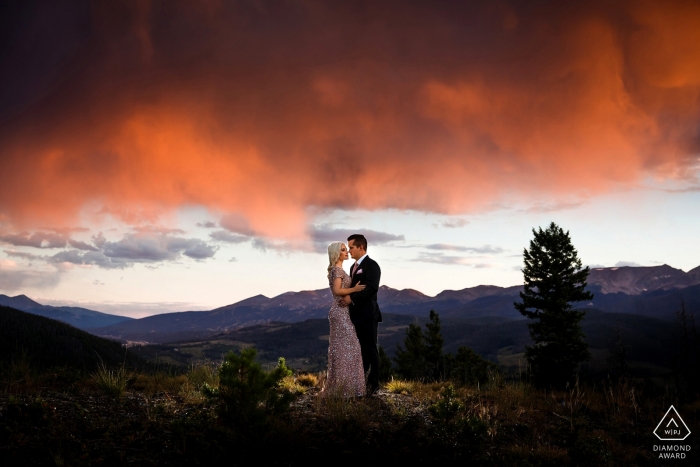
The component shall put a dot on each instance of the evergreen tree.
(434, 358)
(411, 361)
(617, 357)
(471, 368)
(247, 394)
(554, 280)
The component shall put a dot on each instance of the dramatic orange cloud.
(263, 109)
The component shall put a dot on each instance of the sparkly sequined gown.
(345, 372)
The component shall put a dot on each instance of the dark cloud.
(93, 258)
(47, 240)
(264, 244)
(81, 245)
(36, 240)
(443, 246)
(139, 248)
(486, 249)
(157, 247)
(150, 246)
(441, 258)
(24, 255)
(99, 240)
(200, 250)
(454, 223)
(225, 236)
(322, 236)
(207, 225)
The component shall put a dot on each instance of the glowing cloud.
(262, 110)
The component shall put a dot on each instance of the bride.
(345, 371)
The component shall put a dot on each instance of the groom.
(364, 311)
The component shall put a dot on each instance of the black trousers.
(367, 335)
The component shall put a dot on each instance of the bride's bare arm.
(341, 292)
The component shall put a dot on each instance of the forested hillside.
(46, 342)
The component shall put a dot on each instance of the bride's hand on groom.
(358, 287)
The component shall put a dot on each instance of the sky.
(164, 156)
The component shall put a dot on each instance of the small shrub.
(447, 407)
(247, 395)
(454, 429)
(397, 386)
(307, 380)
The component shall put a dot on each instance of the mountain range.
(81, 318)
(655, 292)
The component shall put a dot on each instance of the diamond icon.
(672, 427)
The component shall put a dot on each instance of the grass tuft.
(397, 386)
(289, 384)
(112, 382)
(307, 380)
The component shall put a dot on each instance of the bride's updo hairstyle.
(333, 255)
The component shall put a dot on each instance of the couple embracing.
(354, 314)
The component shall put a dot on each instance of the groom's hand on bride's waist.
(347, 300)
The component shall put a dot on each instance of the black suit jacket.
(364, 303)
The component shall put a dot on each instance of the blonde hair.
(333, 255)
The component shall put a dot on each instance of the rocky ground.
(507, 424)
(81, 426)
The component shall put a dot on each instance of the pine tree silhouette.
(554, 280)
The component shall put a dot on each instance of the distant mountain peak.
(79, 317)
(634, 280)
(256, 300)
(19, 301)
